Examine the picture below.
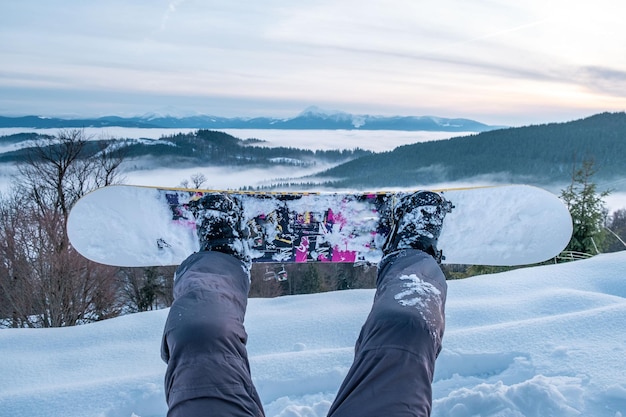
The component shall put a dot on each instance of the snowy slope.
(546, 341)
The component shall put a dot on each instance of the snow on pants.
(394, 356)
(204, 341)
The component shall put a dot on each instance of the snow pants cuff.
(204, 340)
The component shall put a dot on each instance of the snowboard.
(136, 226)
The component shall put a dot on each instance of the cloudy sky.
(496, 61)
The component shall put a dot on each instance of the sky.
(495, 61)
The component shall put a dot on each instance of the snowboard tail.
(147, 226)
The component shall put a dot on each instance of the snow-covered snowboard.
(145, 226)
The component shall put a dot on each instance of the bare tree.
(46, 282)
(60, 170)
(16, 301)
(196, 181)
(616, 226)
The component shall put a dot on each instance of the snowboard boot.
(219, 222)
(417, 222)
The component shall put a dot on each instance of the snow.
(543, 341)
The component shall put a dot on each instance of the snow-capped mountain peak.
(320, 112)
(169, 112)
(312, 117)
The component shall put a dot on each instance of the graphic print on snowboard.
(322, 228)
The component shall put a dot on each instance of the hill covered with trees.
(199, 148)
(538, 154)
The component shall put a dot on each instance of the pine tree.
(587, 208)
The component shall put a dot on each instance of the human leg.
(204, 340)
(395, 353)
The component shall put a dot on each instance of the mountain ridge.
(311, 118)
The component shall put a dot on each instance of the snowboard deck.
(135, 226)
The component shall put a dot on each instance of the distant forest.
(199, 148)
(542, 154)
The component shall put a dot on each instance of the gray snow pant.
(204, 341)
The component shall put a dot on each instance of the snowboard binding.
(220, 225)
(417, 222)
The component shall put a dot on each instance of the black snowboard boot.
(219, 222)
(417, 222)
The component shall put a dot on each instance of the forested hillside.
(539, 154)
(199, 148)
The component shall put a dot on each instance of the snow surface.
(543, 341)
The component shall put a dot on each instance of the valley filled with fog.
(149, 172)
(237, 177)
(314, 139)
(146, 173)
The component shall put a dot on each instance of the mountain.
(539, 154)
(39, 122)
(311, 118)
(542, 155)
(314, 116)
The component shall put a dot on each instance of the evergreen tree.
(586, 206)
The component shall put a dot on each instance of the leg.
(395, 354)
(394, 358)
(204, 340)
